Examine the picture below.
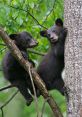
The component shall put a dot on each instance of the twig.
(36, 52)
(35, 96)
(44, 106)
(26, 64)
(49, 12)
(28, 13)
(7, 102)
(2, 44)
(2, 112)
(29, 50)
(7, 87)
(1, 50)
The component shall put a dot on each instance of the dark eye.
(53, 31)
(28, 39)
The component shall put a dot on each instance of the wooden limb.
(2, 112)
(30, 50)
(7, 102)
(35, 95)
(2, 44)
(37, 80)
(7, 87)
(43, 107)
(35, 52)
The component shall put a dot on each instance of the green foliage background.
(31, 16)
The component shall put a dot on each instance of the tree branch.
(2, 44)
(37, 80)
(43, 107)
(28, 13)
(7, 102)
(7, 87)
(35, 95)
(36, 52)
(30, 50)
(1, 50)
(50, 12)
(2, 112)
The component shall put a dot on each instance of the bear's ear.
(59, 22)
(13, 36)
(43, 33)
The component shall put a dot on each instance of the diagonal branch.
(36, 52)
(37, 80)
(27, 11)
(7, 87)
(30, 50)
(50, 12)
(7, 102)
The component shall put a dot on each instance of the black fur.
(13, 71)
(59, 22)
(52, 64)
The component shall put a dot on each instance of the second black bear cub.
(13, 71)
(51, 67)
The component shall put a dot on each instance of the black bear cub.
(51, 66)
(13, 71)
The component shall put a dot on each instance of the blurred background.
(32, 16)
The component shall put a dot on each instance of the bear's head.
(23, 40)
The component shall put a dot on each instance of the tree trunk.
(73, 56)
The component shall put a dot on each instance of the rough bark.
(73, 56)
(40, 84)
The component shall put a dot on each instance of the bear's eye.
(28, 39)
(55, 31)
